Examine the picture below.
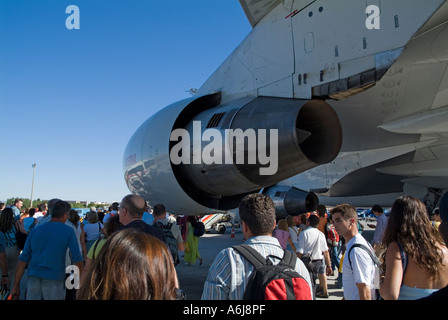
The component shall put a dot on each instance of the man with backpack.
(259, 269)
(170, 230)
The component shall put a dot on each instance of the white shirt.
(293, 234)
(363, 269)
(312, 241)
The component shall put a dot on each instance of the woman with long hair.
(132, 265)
(416, 260)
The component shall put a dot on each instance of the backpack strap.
(365, 248)
(289, 259)
(404, 258)
(252, 255)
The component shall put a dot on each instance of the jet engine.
(291, 201)
(198, 154)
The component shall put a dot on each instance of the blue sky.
(71, 99)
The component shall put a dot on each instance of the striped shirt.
(230, 272)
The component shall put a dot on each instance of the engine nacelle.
(291, 201)
(210, 155)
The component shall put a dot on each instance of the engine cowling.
(291, 201)
(210, 155)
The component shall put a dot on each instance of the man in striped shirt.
(230, 272)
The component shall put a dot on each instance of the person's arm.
(82, 239)
(291, 244)
(20, 269)
(217, 284)
(390, 287)
(364, 291)
(329, 271)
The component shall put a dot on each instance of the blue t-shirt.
(45, 250)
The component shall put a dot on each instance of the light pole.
(32, 185)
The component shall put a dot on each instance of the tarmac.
(192, 277)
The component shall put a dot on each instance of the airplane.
(349, 98)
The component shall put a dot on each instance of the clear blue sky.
(71, 99)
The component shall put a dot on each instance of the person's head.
(60, 210)
(321, 210)
(92, 217)
(51, 203)
(159, 211)
(303, 219)
(73, 217)
(18, 203)
(132, 265)
(257, 213)
(290, 221)
(282, 224)
(377, 210)
(6, 219)
(435, 215)
(42, 207)
(345, 220)
(112, 225)
(31, 212)
(114, 206)
(313, 221)
(131, 208)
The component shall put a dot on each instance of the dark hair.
(31, 212)
(313, 220)
(159, 209)
(321, 210)
(115, 206)
(112, 225)
(408, 224)
(6, 219)
(73, 217)
(42, 206)
(258, 212)
(377, 208)
(60, 208)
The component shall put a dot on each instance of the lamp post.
(32, 185)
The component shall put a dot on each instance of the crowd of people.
(131, 252)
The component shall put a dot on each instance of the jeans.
(45, 289)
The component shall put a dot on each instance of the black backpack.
(274, 282)
(199, 229)
(165, 229)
